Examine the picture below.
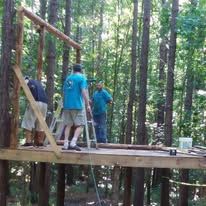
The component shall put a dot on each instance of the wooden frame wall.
(19, 80)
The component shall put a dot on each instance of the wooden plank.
(124, 146)
(36, 110)
(16, 86)
(100, 157)
(37, 20)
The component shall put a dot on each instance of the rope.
(185, 183)
(90, 159)
(94, 179)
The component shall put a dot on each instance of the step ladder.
(90, 138)
(57, 118)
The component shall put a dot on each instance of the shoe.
(66, 145)
(75, 147)
(27, 144)
(39, 145)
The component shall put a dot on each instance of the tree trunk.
(115, 186)
(163, 51)
(43, 7)
(128, 173)
(66, 51)
(169, 98)
(99, 49)
(5, 72)
(51, 57)
(141, 128)
(116, 66)
(184, 174)
(61, 185)
(165, 187)
(44, 184)
(184, 177)
(67, 31)
(51, 63)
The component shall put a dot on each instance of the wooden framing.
(37, 20)
(43, 25)
(116, 155)
(110, 157)
(16, 86)
(36, 110)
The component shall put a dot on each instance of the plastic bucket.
(185, 142)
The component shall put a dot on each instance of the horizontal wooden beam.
(110, 157)
(123, 146)
(39, 21)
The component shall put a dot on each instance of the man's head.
(99, 85)
(77, 68)
(26, 78)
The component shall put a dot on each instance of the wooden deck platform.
(110, 157)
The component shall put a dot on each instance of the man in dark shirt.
(30, 120)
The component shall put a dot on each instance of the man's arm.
(86, 99)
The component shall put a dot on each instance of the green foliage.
(113, 64)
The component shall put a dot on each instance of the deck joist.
(110, 157)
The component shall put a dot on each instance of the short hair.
(77, 67)
(100, 82)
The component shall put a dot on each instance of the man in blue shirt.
(100, 99)
(30, 120)
(75, 95)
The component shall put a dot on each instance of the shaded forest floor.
(84, 199)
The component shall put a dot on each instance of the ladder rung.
(59, 120)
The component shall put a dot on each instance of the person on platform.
(30, 121)
(75, 98)
(99, 101)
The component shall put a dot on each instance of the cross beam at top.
(39, 21)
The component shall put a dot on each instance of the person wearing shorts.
(75, 95)
(30, 121)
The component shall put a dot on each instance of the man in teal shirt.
(100, 99)
(75, 94)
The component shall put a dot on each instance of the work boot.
(36, 138)
(39, 138)
(28, 137)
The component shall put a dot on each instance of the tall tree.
(163, 51)
(66, 51)
(141, 128)
(99, 49)
(169, 100)
(5, 72)
(184, 173)
(128, 174)
(44, 186)
(67, 31)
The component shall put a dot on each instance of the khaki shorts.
(74, 117)
(30, 120)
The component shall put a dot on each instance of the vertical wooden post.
(16, 88)
(40, 52)
(78, 56)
